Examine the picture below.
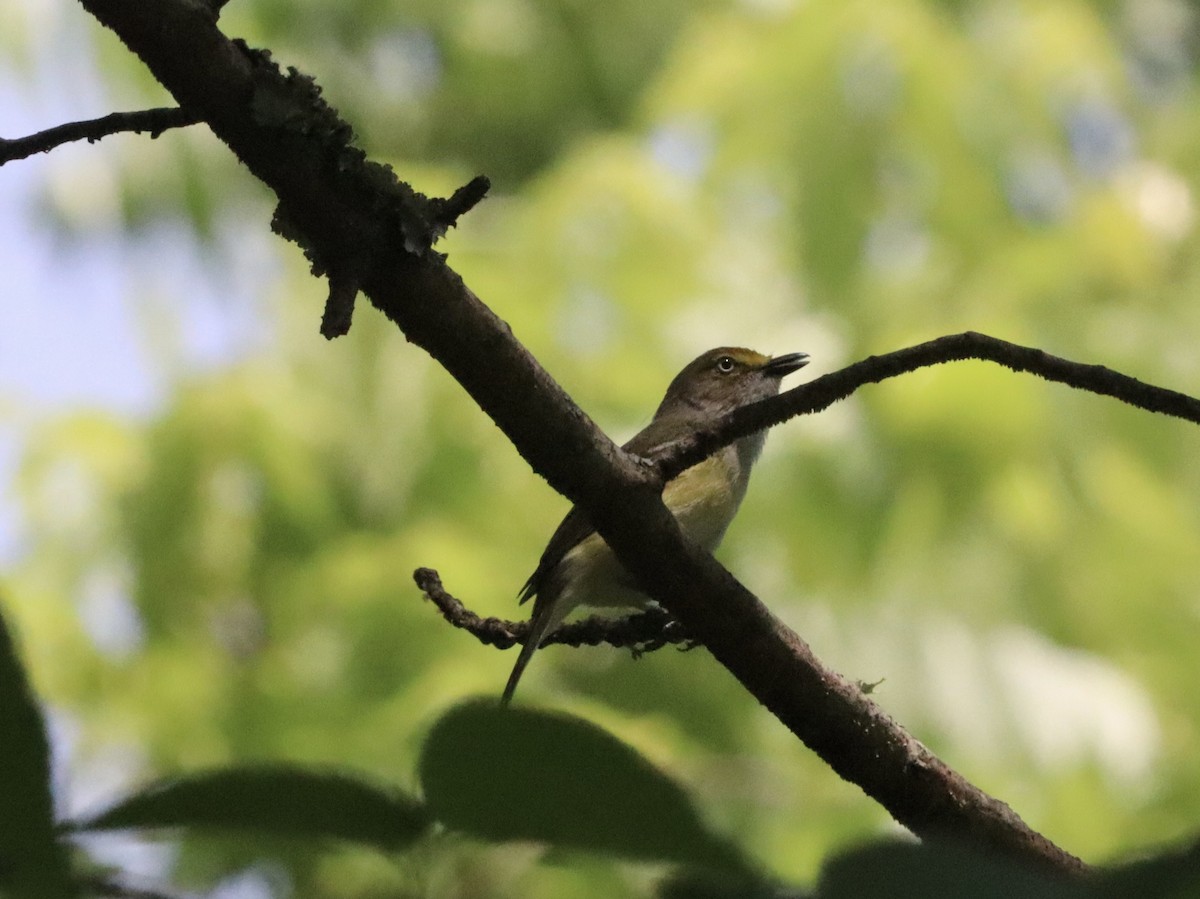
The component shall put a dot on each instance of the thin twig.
(156, 121)
(643, 631)
(820, 394)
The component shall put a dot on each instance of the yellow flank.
(704, 509)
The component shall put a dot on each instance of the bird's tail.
(544, 619)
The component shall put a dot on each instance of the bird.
(577, 567)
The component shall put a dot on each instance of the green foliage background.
(1017, 562)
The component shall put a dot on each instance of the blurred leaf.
(934, 871)
(1171, 875)
(277, 800)
(31, 861)
(694, 884)
(521, 774)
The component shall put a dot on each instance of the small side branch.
(339, 306)
(643, 632)
(446, 213)
(1096, 379)
(155, 121)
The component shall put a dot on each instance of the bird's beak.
(785, 365)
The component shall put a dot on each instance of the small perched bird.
(577, 567)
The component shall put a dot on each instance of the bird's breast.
(705, 498)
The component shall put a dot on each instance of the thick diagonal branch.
(340, 206)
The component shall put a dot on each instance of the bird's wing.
(575, 527)
(571, 531)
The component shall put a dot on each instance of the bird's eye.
(725, 365)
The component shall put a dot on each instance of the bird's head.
(721, 380)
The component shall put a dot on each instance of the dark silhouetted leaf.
(31, 861)
(521, 774)
(935, 871)
(691, 883)
(1172, 875)
(278, 800)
